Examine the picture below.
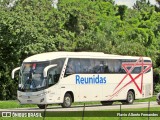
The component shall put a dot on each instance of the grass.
(15, 104)
(147, 99)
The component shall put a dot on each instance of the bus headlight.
(42, 94)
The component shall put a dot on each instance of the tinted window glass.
(54, 73)
(77, 65)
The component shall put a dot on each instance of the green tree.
(34, 26)
(25, 29)
(121, 11)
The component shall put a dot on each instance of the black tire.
(130, 98)
(158, 98)
(106, 102)
(67, 102)
(42, 106)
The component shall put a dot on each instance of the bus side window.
(122, 70)
(59, 62)
(106, 70)
(84, 65)
(77, 66)
(53, 76)
(136, 70)
(99, 66)
(114, 66)
(70, 68)
(91, 66)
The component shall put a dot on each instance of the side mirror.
(13, 71)
(47, 68)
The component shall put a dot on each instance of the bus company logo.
(95, 79)
(146, 66)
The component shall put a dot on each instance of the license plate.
(29, 101)
(28, 94)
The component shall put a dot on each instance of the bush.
(157, 88)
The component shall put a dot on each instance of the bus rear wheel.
(106, 102)
(130, 98)
(67, 102)
(42, 106)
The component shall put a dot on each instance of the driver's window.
(53, 77)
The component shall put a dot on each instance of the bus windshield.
(31, 76)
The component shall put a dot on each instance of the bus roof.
(54, 55)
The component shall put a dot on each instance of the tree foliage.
(34, 26)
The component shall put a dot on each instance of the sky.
(130, 3)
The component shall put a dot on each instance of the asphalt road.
(89, 107)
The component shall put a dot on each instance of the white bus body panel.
(89, 92)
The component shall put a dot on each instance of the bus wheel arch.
(130, 97)
(68, 99)
(72, 95)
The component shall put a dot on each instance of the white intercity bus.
(67, 77)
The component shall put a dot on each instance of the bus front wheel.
(67, 102)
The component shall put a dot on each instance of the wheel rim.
(130, 98)
(67, 101)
